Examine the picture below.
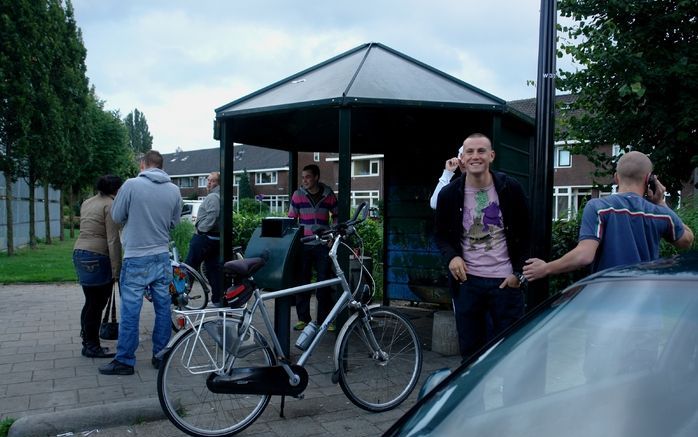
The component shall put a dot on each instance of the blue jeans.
(206, 250)
(479, 301)
(154, 271)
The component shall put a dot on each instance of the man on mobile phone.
(624, 228)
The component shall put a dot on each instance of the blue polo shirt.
(628, 228)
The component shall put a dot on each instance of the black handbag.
(109, 329)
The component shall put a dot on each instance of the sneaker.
(116, 368)
(156, 362)
(93, 351)
(331, 327)
(299, 326)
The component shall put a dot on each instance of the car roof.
(683, 266)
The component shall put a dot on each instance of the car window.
(614, 358)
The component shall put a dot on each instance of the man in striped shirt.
(624, 228)
(314, 204)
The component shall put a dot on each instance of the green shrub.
(253, 206)
(5, 425)
(565, 235)
(244, 225)
(181, 235)
(689, 215)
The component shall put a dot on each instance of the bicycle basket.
(237, 295)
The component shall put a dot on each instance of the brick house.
(573, 179)
(268, 172)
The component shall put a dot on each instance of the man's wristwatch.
(522, 279)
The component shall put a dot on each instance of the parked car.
(189, 210)
(615, 354)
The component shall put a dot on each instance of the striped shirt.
(628, 228)
(313, 216)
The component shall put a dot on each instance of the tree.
(244, 187)
(19, 27)
(139, 136)
(638, 81)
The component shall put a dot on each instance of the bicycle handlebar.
(342, 229)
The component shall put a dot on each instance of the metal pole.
(542, 193)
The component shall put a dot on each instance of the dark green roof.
(369, 74)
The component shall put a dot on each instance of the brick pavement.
(44, 377)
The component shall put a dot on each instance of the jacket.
(98, 232)
(515, 215)
(148, 205)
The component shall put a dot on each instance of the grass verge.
(46, 263)
(5, 425)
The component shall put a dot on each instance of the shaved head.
(634, 166)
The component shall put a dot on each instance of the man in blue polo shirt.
(624, 228)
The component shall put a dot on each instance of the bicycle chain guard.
(271, 380)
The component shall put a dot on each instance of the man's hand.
(656, 196)
(510, 281)
(535, 268)
(458, 269)
(451, 164)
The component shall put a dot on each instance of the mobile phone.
(652, 183)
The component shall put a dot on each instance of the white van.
(189, 209)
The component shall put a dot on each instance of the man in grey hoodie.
(148, 206)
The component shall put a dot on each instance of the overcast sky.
(176, 61)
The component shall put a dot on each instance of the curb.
(80, 419)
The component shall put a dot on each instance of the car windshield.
(616, 358)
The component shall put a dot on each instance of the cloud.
(177, 60)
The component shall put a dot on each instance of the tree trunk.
(71, 214)
(61, 221)
(47, 213)
(32, 212)
(9, 215)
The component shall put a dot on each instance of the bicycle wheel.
(197, 289)
(187, 401)
(370, 382)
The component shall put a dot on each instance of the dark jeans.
(478, 299)
(317, 257)
(96, 298)
(206, 250)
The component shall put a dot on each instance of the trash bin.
(277, 240)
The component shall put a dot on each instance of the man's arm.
(211, 206)
(449, 168)
(119, 208)
(686, 240)
(582, 255)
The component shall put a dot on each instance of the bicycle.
(218, 376)
(189, 289)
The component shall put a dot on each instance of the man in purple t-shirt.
(624, 228)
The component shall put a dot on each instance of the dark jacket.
(515, 215)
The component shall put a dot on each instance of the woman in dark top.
(97, 260)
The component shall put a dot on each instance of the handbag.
(109, 329)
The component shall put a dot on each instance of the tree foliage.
(245, 187)
(638, 81)
(53, 130)
(139, 138)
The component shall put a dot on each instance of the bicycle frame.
(245, 315)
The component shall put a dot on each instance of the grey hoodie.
(148, 205)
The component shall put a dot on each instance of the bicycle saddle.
(244, 267)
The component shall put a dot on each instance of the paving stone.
(29, 388)
(54, 399)
(17, 377)
(33, 365)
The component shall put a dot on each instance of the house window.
(316, 156)
(615, 150)
(265, 178)
(365, 167)
(203, 180)
(277, 203)
(236, 180)
(563, 157)
(186, 182)
(370, 197)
